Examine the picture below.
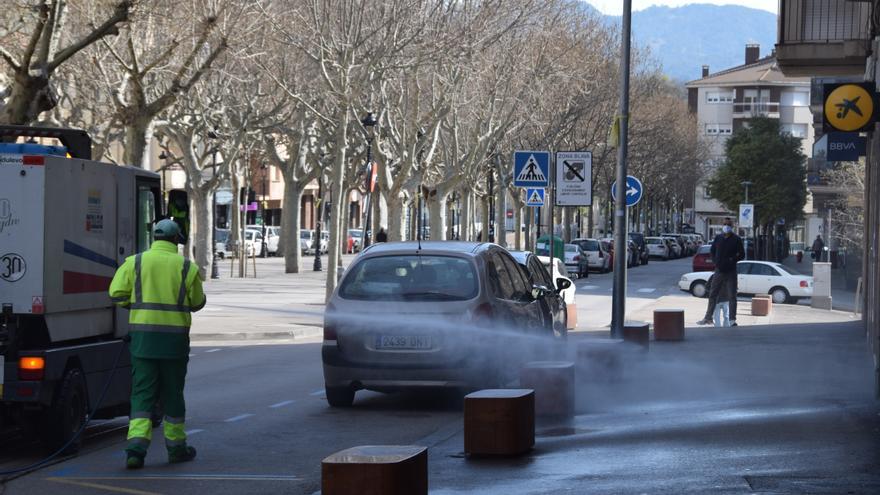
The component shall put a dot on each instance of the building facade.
(725, 101)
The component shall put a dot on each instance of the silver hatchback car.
(448, 314)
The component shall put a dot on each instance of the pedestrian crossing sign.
(531, 168)
(534, 196)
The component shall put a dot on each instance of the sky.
(615, 7)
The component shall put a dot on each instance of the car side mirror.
(562, 284)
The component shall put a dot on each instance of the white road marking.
(212, 350)
(646, 290)
(193, 432)
(192, 355)
(282, 404)
(238, 418)
(589, 287)
(317, 393)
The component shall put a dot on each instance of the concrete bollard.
(600, 359)
(761, 306)
(376, 470)
(637, 332)
(669, 324)
(499, 422)
(553, 383)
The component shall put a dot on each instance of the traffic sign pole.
(618, 309)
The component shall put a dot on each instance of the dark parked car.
(703, 259)
(639, 239)
(439, 314)
(554, 305)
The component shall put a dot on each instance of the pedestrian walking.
(381, 236)
(818, 248)
(727, 250)
(722, 307)
(161, 289)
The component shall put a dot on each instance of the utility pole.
(619, 292)
(746, 184)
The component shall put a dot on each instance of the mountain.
(684, 38)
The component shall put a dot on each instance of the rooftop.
(763, 71)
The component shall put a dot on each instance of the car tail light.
(329, 324)
(482, 314)
(31, 368)
(804, 284)
(577, 258)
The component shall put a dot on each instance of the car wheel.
(67, 413)
(339, 396)
(779, 295)
(699, 289)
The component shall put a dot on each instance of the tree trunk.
(437, 210)
(337, 179)
(138, 135)
(529, 216)
(517, 232)
(290, 231)
(467, 214)
(566, 224)
(396, 217)
(484, 204)
(30, 97)
(201, 241)
(500, 216)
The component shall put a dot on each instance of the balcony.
(755, 109)
(824, 37)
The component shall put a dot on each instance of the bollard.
(553, 383)
(376, 470)
(499, 422)
(637, 332)
(761, 306)
(669, 324)
(600, 359)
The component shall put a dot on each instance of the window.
(763, 270)
(411, 278)
(743, 268)
(795, 98)
(719, 129)
(795, 130)
(717, 97)
(499, 279)
(520, 286)
(541, 275)
(146, 215)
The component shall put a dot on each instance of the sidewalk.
(841, 298)
(786, 408)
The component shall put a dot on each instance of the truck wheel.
(339, 396)
(67, 413)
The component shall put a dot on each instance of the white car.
(756, 277)
(576, 260)
(253, 242)
(559, 271)
(658, 247)
(307, 241)
(677, 250)
(597, 258)
(272, 237)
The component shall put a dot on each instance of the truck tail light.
(31, 368)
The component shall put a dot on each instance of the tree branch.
(120, 14)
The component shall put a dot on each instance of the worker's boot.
(134, 460)
(183, 453)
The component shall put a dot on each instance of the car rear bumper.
(340, 372)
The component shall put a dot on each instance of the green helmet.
(167, 229)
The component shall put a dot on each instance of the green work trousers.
(155, 380)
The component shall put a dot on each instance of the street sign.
(574, 178)
(534, 196)
(223, 197)
(844, 146)
(849, 107)
(531, 168)
(746, 216)
(633, 190)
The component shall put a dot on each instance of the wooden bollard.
(553, 383)
(499, 422)
(637, 332)
(669, 324)
(600, 359)
(376, 470)
(761, 306)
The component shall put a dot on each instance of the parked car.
(576, 260)
(253, 242)
(221, 238)
(563, 284)
(703, 261)
(756, 277)
(675, 249)
(554, 303)
(608, 245)
(273, 236)
(307, 241)
(471, 301)
(634, 259)
(658, 247)
(597, 257)
(355, 240)
(639, 239)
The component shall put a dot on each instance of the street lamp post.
(164, 156)
(491, 219)
(215, 270)
(319, 217)
(746, 184)
(264, 249)
(369, 122)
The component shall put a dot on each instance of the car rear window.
(704, 249)
(653, 240)
(411, 278)
(305, 234)
(571, 248)
(589, 245)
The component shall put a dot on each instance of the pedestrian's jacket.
(726, 252)
(161, 289)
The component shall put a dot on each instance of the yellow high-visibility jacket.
(161, 289)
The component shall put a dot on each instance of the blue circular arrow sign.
(633, 190)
